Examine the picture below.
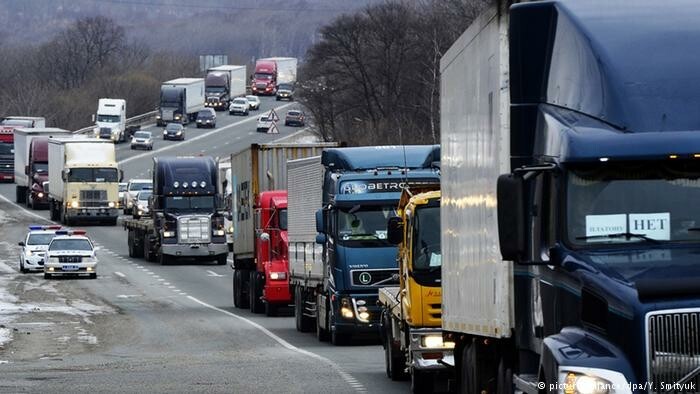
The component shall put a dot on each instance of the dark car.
(206, 118)
(285, 91)
(294, 118)
(174, 131)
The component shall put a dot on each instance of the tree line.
(374, 76)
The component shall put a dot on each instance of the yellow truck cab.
(411, 313)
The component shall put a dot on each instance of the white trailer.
(223, 84)
(23, 121)
(180, 100)
(286, 69)
(24, 171)
(304, 186)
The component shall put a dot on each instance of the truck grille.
(674, 347)
(105, 132)
(70, 259)
(93, 198)
(7, 165)
(379, 277)
(261, 85)
(194, 229)
(167, 114)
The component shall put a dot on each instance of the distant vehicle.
(206, 118)
(254, 102)
(133, 188)
(240, 105)
(285, 91)
(222, 84)
(142, 139)
(271, 72)
(7, 149)
(122, 190)
(180, 100)
(264, 122)
(141, 203)
(70, 253)
(295, 118)
(110, 120)
(174, 131)
(37, 240)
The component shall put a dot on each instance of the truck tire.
(468, 372)
(421, 382)
(222, 259)
(52, 210)
(162, 258)
(394, 359)
(321, 333)
(239, 295)
(339, 339)
(147, 251)
(20, 194)
(302, 322)
(255, 303)
(270, 310)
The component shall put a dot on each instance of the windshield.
(293, 113)
(284, 86)
(173, 127)
(143, 196)
(649, 200)
(426, 239)
(240, 101)
(195, 203)
(93, 175)
(142, 134)
(252, 98)
(108, 118)
(283, 219)
(215, 89)
(365, 225)
(41, 168)
(7, 148)
(40, 239)
(70, 244)
(263, 76)
(140, 186)
(204, 114)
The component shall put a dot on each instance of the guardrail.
(137, 120)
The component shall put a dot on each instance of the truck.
(7, 150)
(111, 121)
(32, 164)
(224, 83)
(226, 191)
(186, 216)
(569, 178)
(180, 100)
(337, 269)
(272, 71)
(410, 317)
(259, 212)
(83, 180)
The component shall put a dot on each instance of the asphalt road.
(142, 327)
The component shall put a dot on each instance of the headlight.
(346, 308)
(168, 234)
(278, 275)
(40, 195)
(157, 116)
(111, 204)
(74, 204)
(165, 132)
(29, 253)
(219, 233)
(586, 382)
(177, 116)
(179, 132)
(229, 230)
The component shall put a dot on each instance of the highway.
(143, 327)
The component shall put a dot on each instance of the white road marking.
(171, 287)
(346, 376)
(167, 284)
(161, 280)
(214, 274)
(119, 274)
(128, 295)
(24, 210)
(199, 137)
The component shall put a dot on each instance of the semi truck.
(83, 180)
(180, 100)
(32, 164)
(336, 270)
(186, 216)
(410, 319)
(272, 71)
(224, 83)
(8, 125)
(111, 122)
(226, 191)
(569, 180)
(259, 212)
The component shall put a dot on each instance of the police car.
(34, 246)
(70, 253)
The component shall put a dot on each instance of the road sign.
(273, 128)
(273, 115)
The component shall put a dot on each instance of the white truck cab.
(110, 120)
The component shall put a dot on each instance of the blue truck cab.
(361, 190)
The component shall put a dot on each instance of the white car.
(122, 191)
(264, 122)
(132, 189)
(142, 139)
(31, 257)
(239, 105)
(141, 203)
(254, 102)
(71, 253)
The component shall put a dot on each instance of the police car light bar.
(53, 227)
(71, 232)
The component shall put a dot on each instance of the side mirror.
(45, 185)
(93, 118)
(20, 243)
(26, 170)
(394, 230)
(321, 238)
(64, 174)
(265, 237)
(121, 175)
(321, 221)
(510, 192)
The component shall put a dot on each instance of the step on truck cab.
(570, 181)
(186, 218)
(83, 180)
(337, 272)
(259, 213)
(411, 312)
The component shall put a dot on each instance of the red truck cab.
(7, 153)
(265, 78)
(271, 285)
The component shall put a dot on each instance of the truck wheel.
(29, 201)
(162, 258)
(222, 259)
(421, 382)
(338, 339)
(395, 359)
(20, 194)
(239, 296)
(270, 310)
(468, 373)
(147, 253)
(504, 383)
(321, 333)
(255, 303)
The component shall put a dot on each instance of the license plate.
(70, 267)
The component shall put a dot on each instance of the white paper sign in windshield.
(653, 225)
(605, 224)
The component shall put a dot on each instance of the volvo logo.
(365, 278)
